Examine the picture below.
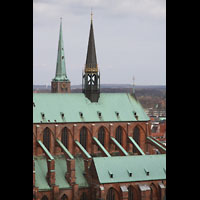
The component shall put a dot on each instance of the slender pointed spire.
(60, 66)
(91, 59)
(60, 84)
(91, 77)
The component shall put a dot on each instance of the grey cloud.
(155, 8)
(129, 36)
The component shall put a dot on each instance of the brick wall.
(96, 190)
(92, 129)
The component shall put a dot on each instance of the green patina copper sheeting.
(72, 104)
(61, 169)
(120, 166)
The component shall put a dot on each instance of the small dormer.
(110, 174)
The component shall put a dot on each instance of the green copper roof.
(40, 173)
(61, 169)
(60, 66)
(79, 170)
(52, 106)
(139, 166)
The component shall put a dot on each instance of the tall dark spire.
(91, 78)
(91, 60)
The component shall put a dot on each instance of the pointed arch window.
(64, 197)
(136, 137)
(130, 193)
(46, 138)
(118, 135)
(44, 197)
(83, 196)
(101, 135)
(154, 195)
(111, 194)
(65, 137)
(83, 137)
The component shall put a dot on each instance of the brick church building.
(93, 145)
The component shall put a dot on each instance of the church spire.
(60, 66)
(91, 77)
(91, 60)
(60, 84)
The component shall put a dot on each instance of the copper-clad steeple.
(61, 83)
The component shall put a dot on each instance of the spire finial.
(134, 87)
(60, 25)
(91, 15)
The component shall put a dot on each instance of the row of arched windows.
(64, 197)
(84, 136)
(112, 194)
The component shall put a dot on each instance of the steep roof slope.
(72, 104)
(143, 168)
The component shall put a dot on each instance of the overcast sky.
(130, 37)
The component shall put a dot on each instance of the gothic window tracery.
(136, 137)
(83, 196)
(44, 197)
(118, 135)
(101, 135)
(111, 195)
(83, 137)
(64, 197)
(65, 137)
(46, 138)
(130, 193)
